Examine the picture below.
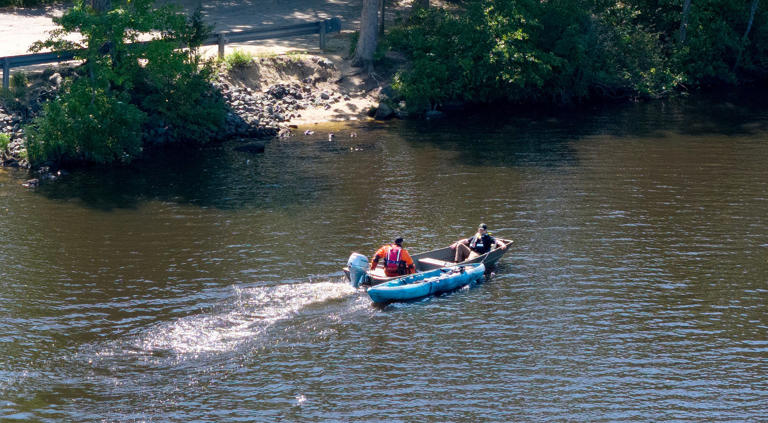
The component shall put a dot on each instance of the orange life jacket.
(392, 262)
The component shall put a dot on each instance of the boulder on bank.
(383, 112)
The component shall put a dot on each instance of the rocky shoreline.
(10, 125)
(264, 99)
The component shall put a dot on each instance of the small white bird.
(308, 132)
(330, 136)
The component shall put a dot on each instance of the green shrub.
(86, 124)
(4, 141)
(19, 83)
(238, 58)
(15, 97)
(189, 108)
(127, 87)
(353, 38)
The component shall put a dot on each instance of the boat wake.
(252, 312)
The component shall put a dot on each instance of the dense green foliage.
(564, 51)
(15, 97)
(127, 92)
(4, 141)
(88, 124)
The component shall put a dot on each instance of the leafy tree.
(88, 124)
(134, 65)
(560, 51)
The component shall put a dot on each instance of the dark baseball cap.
(483, 226)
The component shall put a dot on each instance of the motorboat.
(358, 270)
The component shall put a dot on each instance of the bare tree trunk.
(751, 19)
(381, 17)
(684, 20)
(366, 44)
(752, 12)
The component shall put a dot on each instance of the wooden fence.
(221, 39)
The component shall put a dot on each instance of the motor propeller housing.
(358, 266)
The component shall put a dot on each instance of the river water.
(207, 286)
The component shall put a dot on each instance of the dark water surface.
(209, 289)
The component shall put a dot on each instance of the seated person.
(476, 245)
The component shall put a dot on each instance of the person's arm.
(408, 261)
(375, 259)
(464, 241)
(500, 243)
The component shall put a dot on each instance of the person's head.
(399, 241)
(483, 228)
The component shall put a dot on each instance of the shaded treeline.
(571, 51)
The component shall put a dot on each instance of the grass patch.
(238, 58)
(4, 141)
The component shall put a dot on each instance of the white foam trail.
(253, 312)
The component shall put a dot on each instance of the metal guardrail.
(221, 39)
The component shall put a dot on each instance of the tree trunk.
(752, 11)
(684, 20)
(366, 44)
(381, 18)
(751, 20)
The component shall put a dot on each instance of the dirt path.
(19, 28)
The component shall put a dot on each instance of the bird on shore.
(331, 136)
(308, 132)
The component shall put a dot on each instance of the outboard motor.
(358, 266)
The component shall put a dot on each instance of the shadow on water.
(298, 171)
(539, 137)
(217, 176)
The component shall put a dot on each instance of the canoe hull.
(425, 284)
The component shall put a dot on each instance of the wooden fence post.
(322, 35)
(6, 74)
(222, 42)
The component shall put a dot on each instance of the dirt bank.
(298, 90)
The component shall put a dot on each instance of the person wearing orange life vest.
(397, 261)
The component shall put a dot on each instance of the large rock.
(56, 79)
(383, 112)
(388, 92)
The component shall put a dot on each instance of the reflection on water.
(207, 285)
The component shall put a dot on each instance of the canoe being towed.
(435, 259)
(432, 282)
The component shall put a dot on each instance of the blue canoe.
(428, 283)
